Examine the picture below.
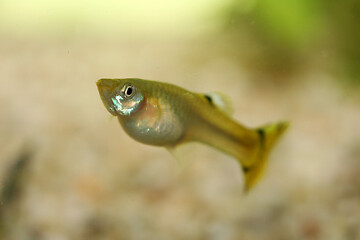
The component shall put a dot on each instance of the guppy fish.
(163, 114)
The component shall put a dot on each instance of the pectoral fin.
(185, 155)
(111, 117)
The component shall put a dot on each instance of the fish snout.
(106, 84)
(106, 89)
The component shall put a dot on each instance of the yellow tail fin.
(268, 136)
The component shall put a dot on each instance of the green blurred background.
(277, 36)
(68, 172)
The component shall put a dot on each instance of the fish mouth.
(106, 89)
(106, 84)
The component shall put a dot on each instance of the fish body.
(166, 115)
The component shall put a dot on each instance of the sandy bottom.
(68, 170)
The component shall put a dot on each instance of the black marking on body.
(262, 137)
(261, 134)
(209, 99)
(246, 169)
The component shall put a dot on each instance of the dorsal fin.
(220, 101)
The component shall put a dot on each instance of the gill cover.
(120, 98)
(126, 100)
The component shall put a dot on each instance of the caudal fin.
(268, 136)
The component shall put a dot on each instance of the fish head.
(121, 97)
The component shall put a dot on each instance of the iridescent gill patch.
(125, 106)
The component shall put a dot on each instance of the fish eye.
(128, 90)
